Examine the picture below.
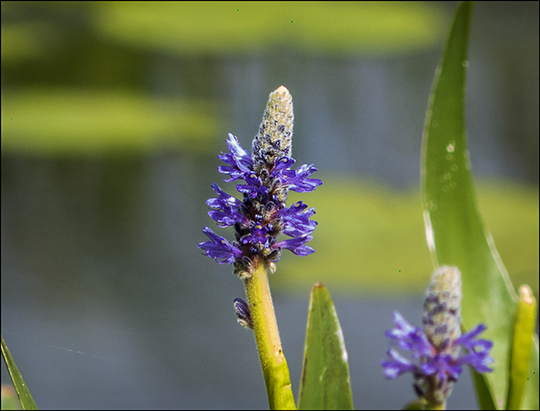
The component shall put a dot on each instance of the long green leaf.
(325, 383)
(524, 325)
(27, 402)
(454, 229)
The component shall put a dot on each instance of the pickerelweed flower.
(266, 176)
(437, 345)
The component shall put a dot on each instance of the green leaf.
(485, 400)
(524, 325)
(454, 229)
(27, 402)
(325, 383)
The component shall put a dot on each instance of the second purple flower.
(266, 176)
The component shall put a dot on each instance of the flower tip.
(526, 295)
(281, 90)
(275, 131)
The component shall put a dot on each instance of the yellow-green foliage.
(224, 27)
(371, 238)
(219, 28)
(80, 121)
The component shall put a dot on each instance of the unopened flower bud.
(442, 307)
(274, 139)
(243, 313)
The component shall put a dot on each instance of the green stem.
(435, 405)
(273, 363)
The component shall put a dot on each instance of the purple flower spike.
(438, 344)
(266, 177)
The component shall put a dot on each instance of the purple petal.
(399, 365)
(239, 160)
(409, 338)
(296, 220)
(226, 208)
(219, 248)
(253, 186)
(296, 245)
(479, 361)
(297, 180)
(258, 235)
(479, 350)
(283, 163)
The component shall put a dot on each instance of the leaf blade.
(523, 337)
(454, 229)
(325, 380)
(27, 402)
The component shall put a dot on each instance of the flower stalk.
(258, 220)
(273, 363)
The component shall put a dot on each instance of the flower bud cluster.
(438, 344)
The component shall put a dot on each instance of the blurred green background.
(112, 117)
